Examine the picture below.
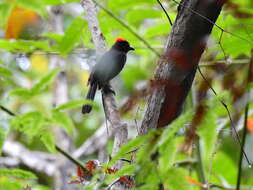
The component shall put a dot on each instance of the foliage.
(28, 89)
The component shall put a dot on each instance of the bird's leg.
(107, 88)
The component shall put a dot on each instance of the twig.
(70, 158)
(220, 44)
(7, 110)
(238, 183)
(164, 10)
(237, 137)
(245, 125)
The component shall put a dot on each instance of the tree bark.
(177, 66)
(118, 128)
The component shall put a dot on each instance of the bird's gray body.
(108, 66)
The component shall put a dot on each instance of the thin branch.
(7, 110)
(245, 125)
(238, 183)
(70, 158)
(164, 10)
(220, 44)
(237, 137)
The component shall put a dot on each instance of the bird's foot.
(108, 89)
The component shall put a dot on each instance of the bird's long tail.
(90, 96)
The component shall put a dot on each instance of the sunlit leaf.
(72, 36)
(64, 121)
(5, 72)
(44, 82)
(175, 179)
(17, 173)
(24, 46)
(49, 141)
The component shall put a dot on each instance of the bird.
(108, 66)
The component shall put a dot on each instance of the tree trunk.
(177, 66)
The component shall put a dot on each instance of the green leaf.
(53, 36)
(131, 145)
(36, 6)
(133, 74)
(220, 165)
(5, 72)
(75, 104)
(43, 83)
(71, 105)
(21, 92)
(31, 124)
(57, 2)
(138, 15)
(126, 170)
(208, 133)
(24, 46)
(49, 141)
(175, 179)
(7, 184)
(167, 156)
(17, 173)
(5, 10)
(157, 30)
(52, 2)
(38, 88)
(170, 131)
(125, 4)
(72, 36)
(63, 120)
(34, 124)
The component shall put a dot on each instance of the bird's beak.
(131, 48)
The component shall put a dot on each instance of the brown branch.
(177, 66)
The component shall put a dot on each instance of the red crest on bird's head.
(120, 40)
